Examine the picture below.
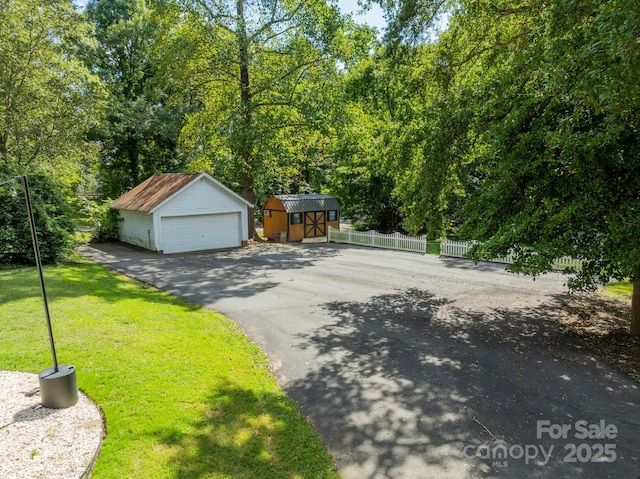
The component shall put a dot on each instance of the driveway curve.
(414, 366)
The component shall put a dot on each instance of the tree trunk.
(634, 328)
(248, 193)
(134, 160)
(246, 137)
(4, 151)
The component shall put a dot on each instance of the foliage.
(139, 136)
(517, 119)
(103, 220)
(429, 143)
(265, 75)
(184, 394)
(51, 216)
(367, 198)
(361, 179)
(108, 224)
(541, 107)
(563, 154)
(48, 98)
(414, 22)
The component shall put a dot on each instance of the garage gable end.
(200, 197)
(201, 190)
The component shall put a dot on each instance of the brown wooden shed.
(300, 216)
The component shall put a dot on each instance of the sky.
(373, 17)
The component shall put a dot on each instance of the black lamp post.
(58, 387)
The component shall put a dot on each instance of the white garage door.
(200, 232)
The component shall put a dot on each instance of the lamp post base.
(58, 389)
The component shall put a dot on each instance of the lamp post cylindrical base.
(58, 389)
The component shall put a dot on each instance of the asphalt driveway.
(413, 366)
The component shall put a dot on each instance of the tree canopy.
(266, 78)
(48, 98)
(531, 120)
(139, 136)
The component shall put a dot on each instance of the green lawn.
(433, 247)
(185, 394)
(619, 289)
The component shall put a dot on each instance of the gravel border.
(38, 442)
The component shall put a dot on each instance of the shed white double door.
(201, 232)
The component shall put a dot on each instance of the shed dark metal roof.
(308, 202)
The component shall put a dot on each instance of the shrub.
(52, 218)
(104, 220)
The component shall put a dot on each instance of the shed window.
(296, 218)
(267, 212)
(333, 215)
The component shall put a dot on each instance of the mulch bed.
(601, 324)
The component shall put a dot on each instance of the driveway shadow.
(206, 277)
(410, 383)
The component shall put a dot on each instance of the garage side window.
(333, 215)
(296, 218)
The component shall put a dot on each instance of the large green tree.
(48, 97)
(140, 133)
(429, 139)
(561, 177)
(265, 74)
(361, 179)
(551, 143)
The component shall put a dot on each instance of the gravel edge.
(38, 442)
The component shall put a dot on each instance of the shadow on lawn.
(407, 382)
(249, 435)
(76, 279)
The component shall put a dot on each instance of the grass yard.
(433, 247)
(619, 289)
(185, 394)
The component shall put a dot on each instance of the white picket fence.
(374, 239)
(398, 241)
(459, 249)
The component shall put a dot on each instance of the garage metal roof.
(308, 202)
(153, 191)
(157, 189)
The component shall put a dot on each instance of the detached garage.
(182, 212)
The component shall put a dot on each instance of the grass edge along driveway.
(184, 392)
